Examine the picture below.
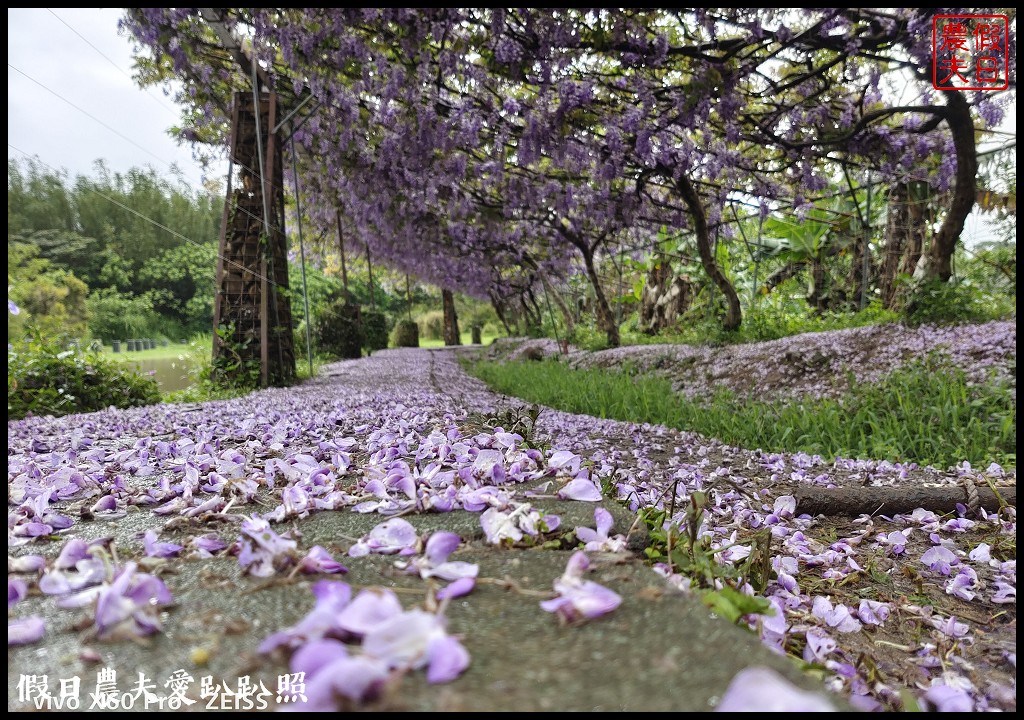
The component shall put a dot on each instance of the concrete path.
(660, 650)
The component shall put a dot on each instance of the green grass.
(466, 340)
(924, 413)
(172, 351)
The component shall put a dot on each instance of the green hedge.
(43, 379)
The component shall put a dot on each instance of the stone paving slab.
(659, 651)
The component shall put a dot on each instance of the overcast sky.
(71, 99)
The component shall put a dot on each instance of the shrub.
(43, 379)
(407, 334)
(375, 331)
(338, 330)
(431, 325)
(947, 303)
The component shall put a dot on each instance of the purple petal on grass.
(457, 588)
(26, 630)
(760, 689)
(580, 489)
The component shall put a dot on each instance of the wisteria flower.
(895, 541)
(416, 639)
(1005, 592)
(159, 549)
(761, 689)
(16, 591)
(944, 698)
(434, 561)
(332, 672)
(819, 645)
(582, 489)
(963, 583)
(580, 600)
(26, 630)
(598, 540)
(940, 559)
(318, 560)
(981, 554)
(332, 598)
(26, 564)
(129, 605)
(838, 617)
(872, 612)
(261, 550)
(394, 536)
(456, 588)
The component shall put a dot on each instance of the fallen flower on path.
(387, 538)
(26, 630)
(580, 600)
(761, 689)
(598, 540)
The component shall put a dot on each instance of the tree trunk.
(341, 254)
(451, 320)
(733, 312)
(666, 296)
(605, 317)
(938, 263)
(856, 501)
(570, 325)
(897, 234)
(499, 310)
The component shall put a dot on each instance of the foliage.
(375, 330)
(119, 316)
(134, 234)
(925, 412)
(431, 325)
(338, 331)
(52, 300)
(502, 160)
(406, 334)
(934, 302)
(234, 367)
(44, 379)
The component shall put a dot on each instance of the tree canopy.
(488, 149)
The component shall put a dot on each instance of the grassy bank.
(467, 339)
(925, 413)
(172, 351)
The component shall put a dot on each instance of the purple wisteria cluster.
(391, 436)
(817, 364)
